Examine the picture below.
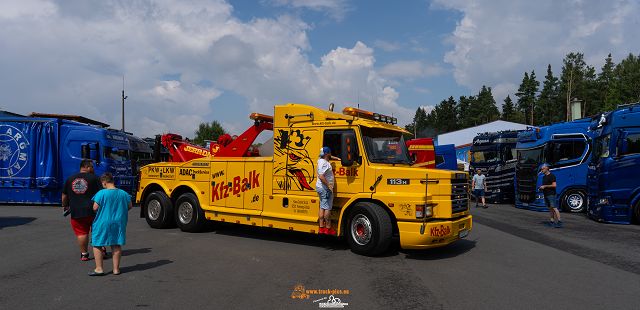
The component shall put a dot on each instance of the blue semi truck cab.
(566, 147)
(446, 157)
(614, 171)
(37, 155)
(495, 154)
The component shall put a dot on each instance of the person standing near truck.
(110, 225)
(548, 188)
(76, 197)
(479, 187)
(324, 187)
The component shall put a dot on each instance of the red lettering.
(214, 192)
(226, 191)
(236, 185)
(255, 179)
(245, 183)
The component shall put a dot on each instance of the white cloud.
(70, 58)
(495, 42)
(410, 69)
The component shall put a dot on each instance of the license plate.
(463, 233)
(525, 204)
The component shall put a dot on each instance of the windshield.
(486, 154)
(601, 147)
(116, 154)
(385, 146)
(530, 156)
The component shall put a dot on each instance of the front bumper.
(614, 214)
(436, 233)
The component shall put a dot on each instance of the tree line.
(537, 103)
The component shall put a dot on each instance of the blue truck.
(495, 154)
(614, 171)
(39, 152)
(446, 157)
(566, 148)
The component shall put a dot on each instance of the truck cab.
(566, 148)
(614, 185)
(378, 194)
(37, 155)
(495, 154)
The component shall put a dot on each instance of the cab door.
(348, 180)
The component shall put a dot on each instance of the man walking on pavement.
(76, 198)
(479, 186)
(548, 188)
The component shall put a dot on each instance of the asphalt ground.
(509, 261)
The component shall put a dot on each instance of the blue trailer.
(614, 171)
(566, 147)
(37, 155)
(495, 154)
(446, 157)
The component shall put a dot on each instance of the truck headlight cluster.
(604, 201)
(424, 211)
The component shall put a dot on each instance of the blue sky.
(191, 61)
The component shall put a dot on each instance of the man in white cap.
(324, 187)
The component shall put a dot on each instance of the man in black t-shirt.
(548, 188)
(78, 191)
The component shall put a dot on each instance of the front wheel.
(574, 201)
(189, 216)
(636, 212)
(369, 229)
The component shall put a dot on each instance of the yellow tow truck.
(378, 194)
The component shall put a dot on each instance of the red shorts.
(82, 226)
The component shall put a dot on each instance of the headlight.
(461, 176)
(540, 196)
(424, 211)
(604, 201)
(497, 190)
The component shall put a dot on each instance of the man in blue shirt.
(479, 186)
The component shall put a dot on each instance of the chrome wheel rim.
(361, 231)
(575, 201)
(153, 210)
(185, 212)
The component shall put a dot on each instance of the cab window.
(333, 139)
(633, 144)
(566, 152)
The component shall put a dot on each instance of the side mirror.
(349, 149)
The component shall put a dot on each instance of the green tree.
(485, 106)
(509, 112)
(608, 94)
(546, 111)
(577, 81)
(208, 131)
(527, 96)
(627, 74)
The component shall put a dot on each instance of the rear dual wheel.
(189, 216)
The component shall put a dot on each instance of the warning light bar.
(261, 117)
(370, 115)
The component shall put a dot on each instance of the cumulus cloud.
(386, 45)
(410, 69)
(495, 42)
(178, 59)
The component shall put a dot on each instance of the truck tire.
(158, 210)
(369, 229)
(574, 201)
(636, 212)
(189, 216)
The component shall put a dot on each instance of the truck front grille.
(459, 195)
(527, 179)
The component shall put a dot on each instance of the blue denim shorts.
(326, 198)
(550, 201)
(478, 192)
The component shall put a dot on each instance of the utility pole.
(123, 98)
